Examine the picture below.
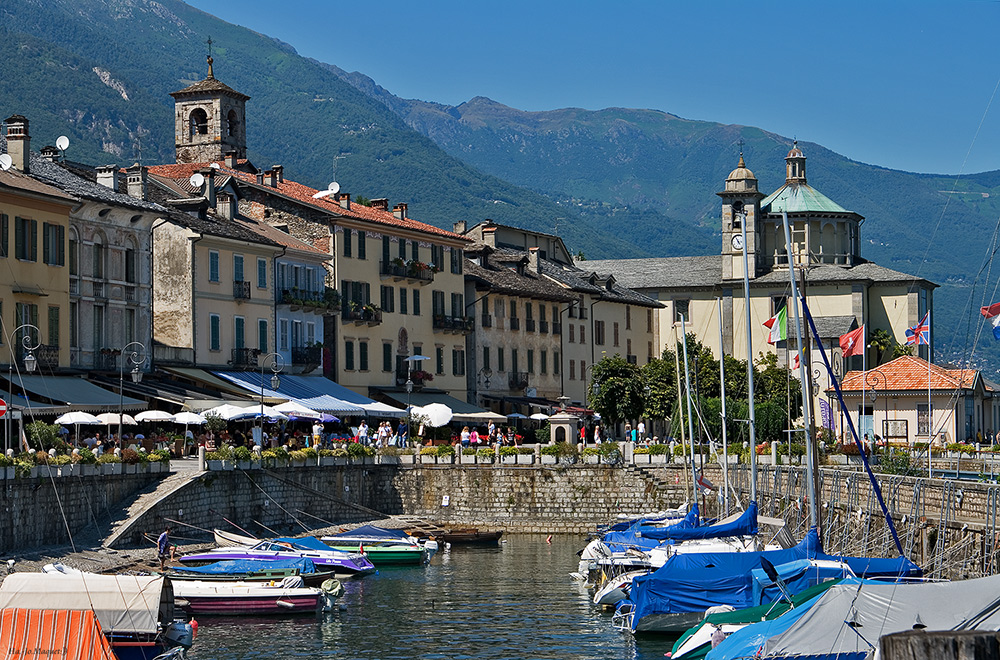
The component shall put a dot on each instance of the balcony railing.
(317, 300)
(106, 359)
(556, 328)
(307, 355)
(241, 290)
(399, 269)
(543, 327)
(46, 354)
(486, 321)
(74, 286)
(362, 315)
(245, 357)
(456, 324)
(515, 323)
(100, 291)
(129, 292)
(518, 380)
(529, 325)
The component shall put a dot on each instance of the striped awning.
(53, 635)
(290, 389)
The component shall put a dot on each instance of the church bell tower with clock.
(740, 203)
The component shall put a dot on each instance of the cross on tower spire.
(211, 74)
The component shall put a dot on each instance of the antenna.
(62, 142)
(5, 162)
(197, 180)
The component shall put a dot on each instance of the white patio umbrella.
(293, 409)
(228, 411)
(517, 416)
(540, 417)
(76, 418)
(112, 418)
(187, 417)
(154, 416)
(437, 414)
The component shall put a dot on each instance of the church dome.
(741, 172)
(795, 152)
(741, 179)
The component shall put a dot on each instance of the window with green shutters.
(513, 359)
(347, 242)
(213, 266)
(4, 231)
(403, 300)
(362, 245)
(416, 302)
(261, 273)
(388, 298)
(53, 244)
(500, 360)
(439, 360)
(386, 255)
(53, 325)
(386, 357)
(239, 332)
(531, 361)
(486, 357)
(349, 355)
(214, 332)
(543, 367)
(238, 267)
(402, 248)
(414, 250)
(26, 239)
(555, 363)
(363, 355)
(262, 336)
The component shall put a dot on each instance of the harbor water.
(513, 601)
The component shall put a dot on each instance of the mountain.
(100, 72)
(646, 169)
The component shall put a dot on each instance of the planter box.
(426, 459)
(641, 459)
(69, 470)
(340, 460)
(569, 460)
(407, 459)
(548, 460)
(86, 469)
(488, 460)
(8, 473)
(131, 468)
(368, 460)
(244, 465)
(508, 460)
(445, 460)
(213, 465)
(327, 460)
(297, 462)
(525, 459)
(111, 468)
(389, 460)
(468, 460)
(592, 459)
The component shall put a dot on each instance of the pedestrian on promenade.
(363, 433)
(165, 549)
(597, 434)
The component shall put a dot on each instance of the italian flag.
(777, 326)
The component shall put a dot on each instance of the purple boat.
(345, 564)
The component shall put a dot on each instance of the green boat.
(384, 547)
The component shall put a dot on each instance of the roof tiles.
(909, 373)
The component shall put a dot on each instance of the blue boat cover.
(243, 566)
(634, 535)
(305, 543)
(745, 525)
(374, 533)
(797, 575)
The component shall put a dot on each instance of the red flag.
(795, 361)
(853, 343)
(990, 311)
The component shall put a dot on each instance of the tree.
(618, 392)
(899, 350)
(43, 436)
(880, 341)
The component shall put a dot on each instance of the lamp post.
(30, 364)
(872, 379)
(410, 361)
(485, 373)
(277, 362)
(135, 358)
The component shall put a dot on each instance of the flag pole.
(725, 441)
(690, 420)
(930, 416)
(864, 377)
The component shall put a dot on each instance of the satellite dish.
(323, 193)
(5, 162)
(215, 166)
(62, 142)
(334, 188)
(197, 180)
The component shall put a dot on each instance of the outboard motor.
(180, 633)
(332, 590)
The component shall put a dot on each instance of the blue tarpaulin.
(244, 566)
(745, 525)
(635, 536)
(306, 543)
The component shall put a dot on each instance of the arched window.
(199, 122)
(232, 124)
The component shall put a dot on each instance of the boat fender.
(284, 603)
(332, 588)
(194, 627)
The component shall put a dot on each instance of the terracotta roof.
(909, 373)
(304, 195)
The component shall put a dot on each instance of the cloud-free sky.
(903, 85)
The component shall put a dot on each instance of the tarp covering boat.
(245, 566)
(373, 533)
(639, 533)
(882, 609)
(53, 635)
(123, 603)
(686, 530)
(306, 542)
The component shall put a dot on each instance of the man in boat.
(164, 548)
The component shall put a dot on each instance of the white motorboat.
(289, 596)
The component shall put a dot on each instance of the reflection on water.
(514, 601)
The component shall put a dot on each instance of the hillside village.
(210, 273)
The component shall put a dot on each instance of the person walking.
(597, 434)
(363, 433)
(165, 549)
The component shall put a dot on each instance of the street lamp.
(135, 358)
(30, 364)
(277, 362)
(410, 361)
(872, 379)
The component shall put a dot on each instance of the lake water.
(513, 601)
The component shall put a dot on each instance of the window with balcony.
(414, 250)
(239, 332)
(437, 303)
(386, 252)
(262, 335)
(238, 268)
(402, 249)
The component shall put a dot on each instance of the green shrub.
(160, 455)
(962, 448)
(679, 450)
(356, 450)
(428, 451)
(445, 450)
(469, 451)
(641, 450)
(242, 454)
(298, 455)
(131, 457)
(525, 451)
(86, 457)
(60, 459)
(6, 462)
(310, 452)
(550, 450)
(608, 448)
(485, 454)
(108, 458)
(659, 450)
(389, 451)
(508, 451)
(544, 434)
(591, 451)
(22, 469)
(44, 436)
(277, 455)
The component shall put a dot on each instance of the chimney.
(19, 142)
(344, 199)
(107, 176)
(231, 160)
(224, 209)
(381, 204)
(50, 153)
(533, 265)
(135, 180)
(209, 191)
(399, 210)
(279, 172)
(271, 178)
(459, 227)
(260, 178)
(490, 236)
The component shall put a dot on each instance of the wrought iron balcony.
(456, 324)
(543, 327)
(518, 380)
(241, 290)
(107, 359)
(361, 315)
(245, 358)
(529, 325)
(307, 355)
(399, 269)
(515, 323)
(486, 321)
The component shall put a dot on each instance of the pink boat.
(238, 598)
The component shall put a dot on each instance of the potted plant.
(7, 465)
(468, 456)
(428, 455)
(298, 458)
(160, 460)
(508, 455)
(485, 455)
(243, 458)
(220, 459)
(640, 455)
(110, 464)
(63, 465)
(550, 454)
(658, 454)
(591, 455)
(131, 459)
(407, 456)
(446, 454)
(389, 455)
(525, 456)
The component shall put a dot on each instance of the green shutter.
(4, 229)
(19, 250)
(34, 241)
(46, 239)
(61, 234)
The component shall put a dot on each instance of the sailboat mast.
(752, 424)
(803, 375)
(687, 386)
(725, 441)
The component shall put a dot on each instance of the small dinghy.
(290, 596)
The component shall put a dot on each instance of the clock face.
(738, 242)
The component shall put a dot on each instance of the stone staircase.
(659, 480)
(174, 482)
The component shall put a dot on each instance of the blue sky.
(903, 85)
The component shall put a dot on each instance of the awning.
(20, 403)
(76, 393)
(532, 401)
(53, 635)
(334, 389)
(292, 390)
(209, 379)
(464, 412)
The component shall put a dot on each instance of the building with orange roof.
(891, 401)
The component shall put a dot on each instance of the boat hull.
(231, 606)
(398, 556)
(310, 579)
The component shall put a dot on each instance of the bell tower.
(740, 204)
(209, 121)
